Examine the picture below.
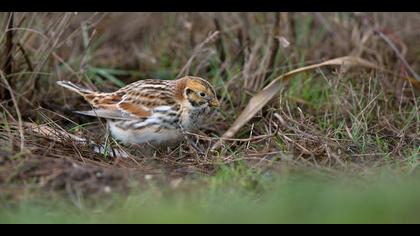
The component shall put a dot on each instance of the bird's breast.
(193, 118)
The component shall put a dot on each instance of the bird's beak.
(214, 102)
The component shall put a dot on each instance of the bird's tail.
(96, 99)
(76, 88)
(87, 94)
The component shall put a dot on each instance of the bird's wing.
(135, 101)
(142, 102)
(106, 113)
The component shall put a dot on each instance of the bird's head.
(198, 92)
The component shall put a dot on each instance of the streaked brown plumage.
(151, 111)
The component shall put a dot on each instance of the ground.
(336, 143)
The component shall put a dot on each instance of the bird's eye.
(202, 94)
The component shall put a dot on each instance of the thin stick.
(397, 52)
(274, 44)
(196, 51)
(8, 51)
(25, 56)
(9, 45)
(219, 42)
(259, 137)
(22, 137)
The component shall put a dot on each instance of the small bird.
(151, 111)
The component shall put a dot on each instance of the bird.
(151, 111)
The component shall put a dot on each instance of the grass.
(346, 151)
(233, 198)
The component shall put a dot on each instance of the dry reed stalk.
(271, 90)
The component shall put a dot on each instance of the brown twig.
(197, 50)
(219, 42)
(398, 53)
(244, 42)
(259, 137)
(8, 52)
(7, 85)
(25, 56)
(9, 46)
(275, 44)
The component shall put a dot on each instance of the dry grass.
(335, 119)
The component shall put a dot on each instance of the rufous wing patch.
(133, 109)
(103, 100)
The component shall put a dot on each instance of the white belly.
(145, 135)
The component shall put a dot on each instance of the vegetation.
(338, 143)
